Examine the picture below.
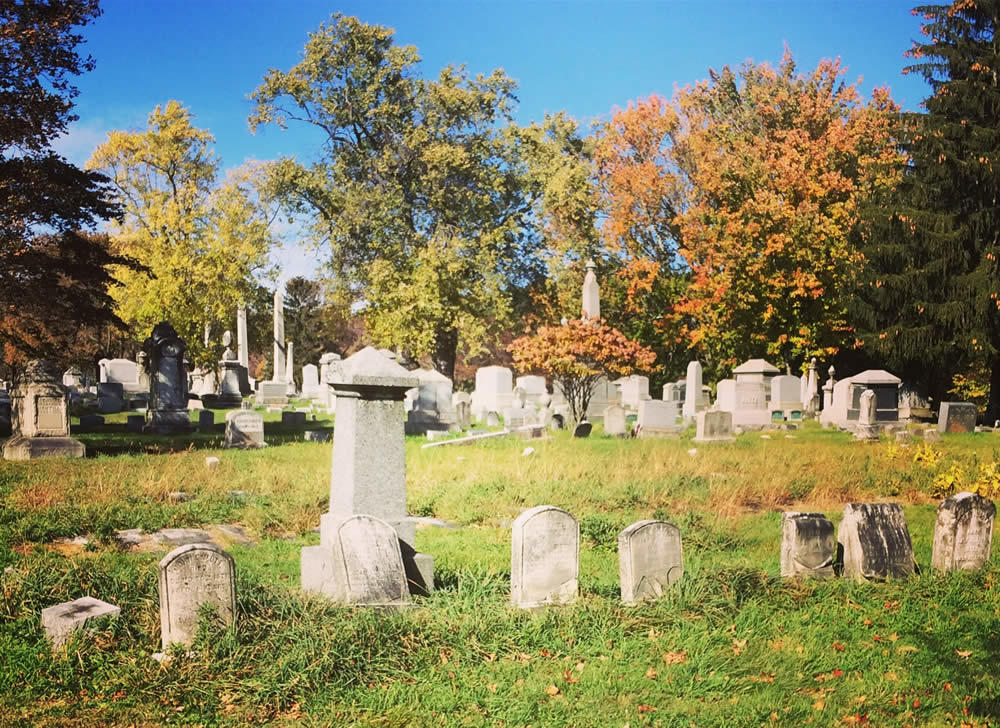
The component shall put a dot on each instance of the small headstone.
(244, 429)
(957, 417)
(963, 533)
(714, 426)
(527, 451)
(932, 436)
(492, 419)
(61, 620)
(867, 428)
(89, 421)
(206, 420)
(437, 434)
(316, 436)
(211, 463)
(179, 496)
(558, 421)
(545, 557)
(135, 423)
(190, 576)
(808, 545)
(875, 541)
(614, 421)
(657, 418)
(650, 559)
(582, 429)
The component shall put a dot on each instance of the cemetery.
(690, 419)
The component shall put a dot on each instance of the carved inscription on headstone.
(650, 559)
(190, 576)
(49, 413)
(545, 553)
(963, 533)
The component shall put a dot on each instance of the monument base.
(222, 401)
(31, 448)
(168, 422)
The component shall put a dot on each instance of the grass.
(732, 645)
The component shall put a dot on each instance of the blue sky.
(580, 56)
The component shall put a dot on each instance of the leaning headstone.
(582, 429)
(650, 559)
(808, 545)
(168, 396)
(545, 557)
(62, 620)
(244, 429)
(191, 576)
(875, 541)
(714, 426)
(963, 533)
(957, 417)
(364, 566)
(614, 421)
(40, 421)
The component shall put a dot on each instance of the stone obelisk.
(279, 336)
(242, 347)
(591, 294)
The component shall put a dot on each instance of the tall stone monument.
(40, 420)
(591, 294)
(693, 398)
(368, 476)
(279, 337)
(167, 412)
(242, 346)
(230, 388)
(290, 369)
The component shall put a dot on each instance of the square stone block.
(61, 620)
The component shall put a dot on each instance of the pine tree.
(930, 306)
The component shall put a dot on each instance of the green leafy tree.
(303, 311)
(204, 243)
(54, 279)
(931, 303)
(421, 191)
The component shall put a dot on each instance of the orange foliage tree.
(577, 354)
(750, 180)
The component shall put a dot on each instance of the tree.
(53, 278)
(204, 243)
(577, 354)
(420, 192)
(303, 311)
(748, 182)
(931, 305)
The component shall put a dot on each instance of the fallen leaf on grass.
(839, 646)
(891, 676)
(492, 687)
(651, 673)
(646, 709)
(819, 705)
(580, 666)
(964, 654)
(837, 672)
(903, 649)
(762, 678)
(739, 646)
(551, 690)
(675, 658)
(568, 677)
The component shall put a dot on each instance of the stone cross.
(545, 558)
(650, 559)
(591, 308)
(875, 541)
(279, 336)
(190, 576)
(963, 532)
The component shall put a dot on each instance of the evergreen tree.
(930, 306)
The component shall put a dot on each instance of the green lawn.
(732, 645)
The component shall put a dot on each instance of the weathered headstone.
(168, 396)
(693, 399)
(634, 389)
(657, 418)
(583, 429)
(714, 426)
(432, 408)
(545, 557)
(60, 621)
(191, 576)
(244, 429)
(310, 382)
(135, 423)
(492, 419)
(206, 420)
(957, 417)
(40, 421)
(591, 308)
(614, 421)
(494, 391)
(786, 393)
(875, 541)
(963, 532)
(72, 378)
(533, 386)
(867, 428)
(358, 562)
(110, 397)
(650, 559)
(808, 545)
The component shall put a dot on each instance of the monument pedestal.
(30, 448)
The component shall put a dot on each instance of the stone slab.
(963, 532)
(190, 577)
(650, 560)
(875, 542)
(62, 620)
(545, 557)
(808, 545)
(957, 417)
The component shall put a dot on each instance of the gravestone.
(786, 393)
(290, 369)
(582, 429)
(271, 394)
(494, 391)
(963, 532)
(534, 388)
(191, 576)
(657, 418)
(168, 396)
(650, 559)
(121, 371)
(244, 429)
(72, 379)
(808, 545)
(714, 426)
(875, 542)
(432, 408)
(206, 420)
(364, 565)
(591, 307)
(492, 419)
(867, 428)
(886, 388)
(603, 393)
(329, 365)
(957, 417)
(110, 397)
(60, 621)
(694, 400)
(310, 383)
(544, 562)
(725, 395)
(368, 473)
(292, 418)
(614, 421)
(634, 389)
(135, 423)
(810, 402)
(913, 406)
(40, 416)
(463, 410)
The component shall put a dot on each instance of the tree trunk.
(993, 408)
(446, 351)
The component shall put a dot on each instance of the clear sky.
(580, 56)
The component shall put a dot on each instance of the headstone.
(61, 620)
(657, 418)
(316, 436)
(867, 428)
(40, 421)
(534, 388)
(310, 382)
(242, 344)
(963, 532)
(725, 395)
(614, 421)
(582, 429)
(192, 576)
(515, 416)
(757, 371)
(358, 562)
(786, 393)
(290, 368)
(89, 422)
(72, 378)
(463, 414)
(135, 423)
(494, 391)
(291, 418)
(650, 559)
(110, 397)
(674, 392)
(244, 429)
(603, 394)
(545, 553)
(329, 366)
(492, 419)
(432, 408)
(272, 394)
(811, 400)
(886, 388)
(693, 401)
(634, 389)
(714, 426)
(206, 420)
(591, 308)
(120, 371)
(875, 541)
(808, 545)
(957, 417)
(168, 396)
(368, 474)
